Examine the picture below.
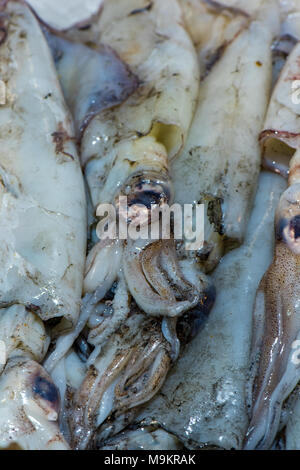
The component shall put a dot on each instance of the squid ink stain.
(45, 389)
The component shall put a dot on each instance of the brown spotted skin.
(281, 291)
(279, 295)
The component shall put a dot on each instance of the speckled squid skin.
(277, 322)
(274, 374)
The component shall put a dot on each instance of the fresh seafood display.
(125, 323)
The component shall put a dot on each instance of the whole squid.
(203, 401)
(220, 162)
(126, 149)
(274, 360)
(42, 229)
(130, 121)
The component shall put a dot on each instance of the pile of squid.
(113, 343)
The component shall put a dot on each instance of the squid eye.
(295, 227)
(148, 188)
(45, 390)
(146, 198)
(144, 192)
(281, 225)
(82, 348)
(288, 230)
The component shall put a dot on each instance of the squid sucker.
(275, 368)
(42, 230)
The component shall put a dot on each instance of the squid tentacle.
(113, 388)
(151, 286)
(109, 325)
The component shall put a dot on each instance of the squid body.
(127, 143)
(220, 163)
(203, 400)
(42, 228)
